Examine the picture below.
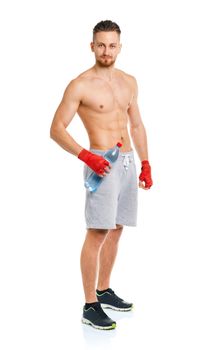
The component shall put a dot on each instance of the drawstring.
(126, 161)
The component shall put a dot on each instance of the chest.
(107, 96)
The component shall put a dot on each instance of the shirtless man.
(105, 98)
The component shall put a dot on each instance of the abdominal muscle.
(104, 140)
(104, 131)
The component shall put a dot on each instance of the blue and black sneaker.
(110, 300)
(94, 316)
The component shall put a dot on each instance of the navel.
(101, 106)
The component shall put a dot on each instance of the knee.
(115, 233)
(118, 230)
(98, 231)
(119, 227)
(97, 235)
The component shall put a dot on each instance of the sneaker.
(109, 299)
(97, 318)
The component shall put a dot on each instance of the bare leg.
(89, 261)
(107, 257)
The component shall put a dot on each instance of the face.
(106, 46)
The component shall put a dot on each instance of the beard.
(105, 62)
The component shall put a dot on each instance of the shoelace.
(100, 311)
(113, 293)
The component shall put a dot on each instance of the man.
(105, 99)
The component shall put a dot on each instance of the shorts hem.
(98, 227)
(126, 224)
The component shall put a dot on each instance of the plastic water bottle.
(94, 180)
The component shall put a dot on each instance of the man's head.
(106, 42)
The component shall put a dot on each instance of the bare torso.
(104, 108)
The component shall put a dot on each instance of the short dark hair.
(106, 26)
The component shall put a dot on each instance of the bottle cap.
(119, 144)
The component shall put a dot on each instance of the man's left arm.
(139, 138)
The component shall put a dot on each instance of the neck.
(106, 73)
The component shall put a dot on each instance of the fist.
(97, 163)
(145, 175)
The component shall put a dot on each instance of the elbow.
(53, 132)
(137, 127)
(55, 129)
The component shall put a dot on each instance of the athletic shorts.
(116, 199)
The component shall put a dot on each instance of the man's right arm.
(63, 116)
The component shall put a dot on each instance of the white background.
(164, 264)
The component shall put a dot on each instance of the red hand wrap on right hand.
(94, 161)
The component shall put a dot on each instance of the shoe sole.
(107, 328)
(108, 306)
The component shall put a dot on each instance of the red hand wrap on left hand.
(145, 174)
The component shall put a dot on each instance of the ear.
(92, 46)
(120, 46)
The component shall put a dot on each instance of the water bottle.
(94, 180)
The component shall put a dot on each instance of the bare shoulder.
(130, 79)
(76, 83)
(77, 86)
(126, 76)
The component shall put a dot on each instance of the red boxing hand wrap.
(94, 161)
(146, 174)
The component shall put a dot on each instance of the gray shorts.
(116, 199)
